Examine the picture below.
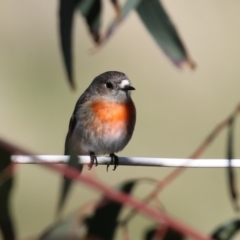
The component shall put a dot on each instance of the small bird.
(104, 118)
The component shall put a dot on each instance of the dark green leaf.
(6, 222)
(104, 221)
(160, 26)
(102, 224)
(67, 182)
(170, 234)
(63, 230)
(227, 231)
(127, 8)
(117, 8)
(66, 12)
(91, 10)
(114, 1)
(231, 175)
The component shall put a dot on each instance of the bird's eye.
(109, 85)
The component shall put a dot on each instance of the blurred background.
(176, 110)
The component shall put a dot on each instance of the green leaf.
(66, 12)
(117, 8)
(67, 182)
(227, 231)
(104, 221)
(160, 26)
(126, 9)
(230, 170)
(170, 234)
(63, 230)
(6, 184)
(115, 2)
(91, 10)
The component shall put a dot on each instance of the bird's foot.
(93, 160)
(114, 160)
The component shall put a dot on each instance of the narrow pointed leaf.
(66, 229)
(115, 2)
(104, 221)
(171, 234)
(6, 220)
(126, 9)
(101, 225)
(117, 9)
(91, 10)
(66, 12)
(231, 175)
(227, 231)
(67, 183)
(73, 162)
(160, 26)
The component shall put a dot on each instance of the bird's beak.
(128, 88)
(125, 85)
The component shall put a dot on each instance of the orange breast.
(112, 112)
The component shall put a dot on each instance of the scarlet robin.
(104, 118)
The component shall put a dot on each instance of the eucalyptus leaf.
(117, 7)
(230, 170)
(67, 229)
(160, 26)
(227, 231)
(151, 12)
(67, 182)
(91, 10)
(6, 184)
(101, 224)
(66, 12)
(104, 221)
(170, 234)
(126, 9)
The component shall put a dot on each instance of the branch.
(130, 161)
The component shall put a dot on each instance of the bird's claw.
(114, 160)
(93, 160)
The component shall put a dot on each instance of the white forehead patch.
(124, 83)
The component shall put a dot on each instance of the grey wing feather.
(73, 122)
(72, 125)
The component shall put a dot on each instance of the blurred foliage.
(73, 162)
(151, 12)
(168, 234)
(230, 156)
(99, 220)
(227, 231)
(94, 225)
(6, 184)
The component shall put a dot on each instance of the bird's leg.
(114, 159)
(93, 160)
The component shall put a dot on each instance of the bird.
(103, 119)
